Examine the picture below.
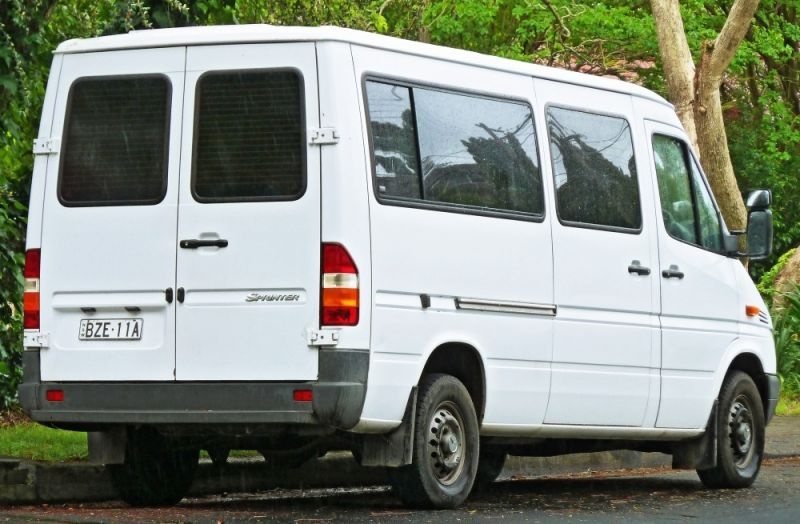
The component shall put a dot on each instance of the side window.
(249, 137)
(394, 141)
(686, 203)
(116, 142)
(454, 149)
(594, 169)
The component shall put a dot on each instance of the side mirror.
(759, 224)
(759, 200)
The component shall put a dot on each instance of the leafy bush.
(766, 285)
(786, 322)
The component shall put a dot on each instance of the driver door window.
(686, 203)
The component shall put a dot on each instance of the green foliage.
(786, 321)
(766, 285)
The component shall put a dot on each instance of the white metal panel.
(261, 33)
(273, 247)
(344, 178)
(110, 257)
(450, 255)
(603, 352)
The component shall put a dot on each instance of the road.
(627, 496)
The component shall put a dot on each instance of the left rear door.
(110, 217)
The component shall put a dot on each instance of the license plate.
(111, 329)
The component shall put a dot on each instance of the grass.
(33, 441)
(788, 407)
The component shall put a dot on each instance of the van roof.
(252, 33)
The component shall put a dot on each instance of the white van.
(297, 240)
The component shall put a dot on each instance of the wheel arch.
(463, 361)
(746, 358)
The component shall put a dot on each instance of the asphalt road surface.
(658, 495)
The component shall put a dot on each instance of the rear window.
(115, 142)
(249, 137)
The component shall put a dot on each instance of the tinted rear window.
(115, 142)
(249, 137)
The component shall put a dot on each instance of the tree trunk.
(695, 93)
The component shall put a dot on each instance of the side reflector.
(339, 304)
(54, 395)
(752, 311)
(303, 395)
(30, 298)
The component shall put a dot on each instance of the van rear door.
(109, 220)
(249, 214)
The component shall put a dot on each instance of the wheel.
(446, 447)
(219, 456)
(155, 473)
(490, 465)
(740, 435)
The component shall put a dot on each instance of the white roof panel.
(235, 34)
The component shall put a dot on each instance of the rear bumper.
(338, 397)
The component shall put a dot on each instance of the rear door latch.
(323, 135)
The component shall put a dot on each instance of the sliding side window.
(455, 150)
(594, 169)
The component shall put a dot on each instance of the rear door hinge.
(46, 146)
(323, 337)
(323, 135)
(36, 340)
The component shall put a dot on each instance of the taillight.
(30, 299)
(339, 301)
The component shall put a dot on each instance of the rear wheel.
(155, 472)
(446, 446)
(740, 435)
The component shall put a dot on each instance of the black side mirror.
(759, 224)
(759, 200)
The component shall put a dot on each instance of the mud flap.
(699, 453)
(393, 449)
(108, 447)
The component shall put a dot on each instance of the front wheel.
(740, 435)
(446, 447)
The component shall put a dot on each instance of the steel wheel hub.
(446, 444)
(740, 422)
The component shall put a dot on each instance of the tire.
(218, 456)
(154, 473)
(490, 465)
(740, 435)
(446, 447)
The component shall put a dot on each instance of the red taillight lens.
(30, 300)
(303, 395)
(339, 296)
(54, 395)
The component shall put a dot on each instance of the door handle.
(194, 243)
(181, 294)
(637, 268)
(168, 294)
(673, 272)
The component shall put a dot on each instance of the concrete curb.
(23, 482)
(29, 483)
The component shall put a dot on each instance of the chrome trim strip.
(525, 308)
(604, 432)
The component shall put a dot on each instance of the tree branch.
(729, 38)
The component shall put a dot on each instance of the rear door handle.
(673, 272)
(194, 243)
(637, 268)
